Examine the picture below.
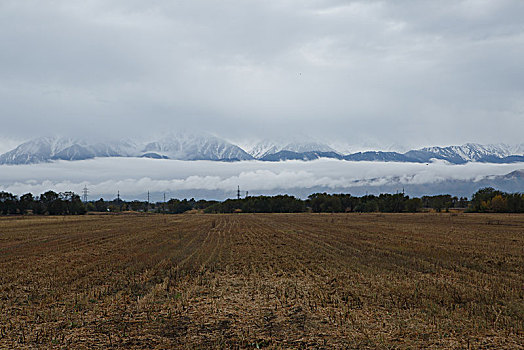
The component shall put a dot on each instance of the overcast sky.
(413, 73)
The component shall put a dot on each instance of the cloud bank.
(135, 177)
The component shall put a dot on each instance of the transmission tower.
(238, 192)
(85, 191)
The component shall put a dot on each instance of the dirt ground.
(321, 281)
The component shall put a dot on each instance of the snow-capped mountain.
(265, 148)
(45, 149)
(183, 147)
(516, 149)
(497, 153)
(196, 147)
(469, 152)
(186, 146)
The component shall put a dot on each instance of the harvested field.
(270, 280)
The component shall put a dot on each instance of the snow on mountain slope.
(185, 146)
(265, 148)
(515, 149)
(196, 147)
(36, 151)
(45, 149)
(469, 152)
(180, 146)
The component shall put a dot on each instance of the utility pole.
(148, 201)
(164, 209)
(85, 191)
(118, 200)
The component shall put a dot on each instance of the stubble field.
(322, 281)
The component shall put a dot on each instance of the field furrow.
(262, 281)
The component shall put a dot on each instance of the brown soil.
(318, 281)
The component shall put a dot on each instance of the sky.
(134, 177)
(407, 73)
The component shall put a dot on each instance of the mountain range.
(212, 148)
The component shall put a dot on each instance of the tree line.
(69, 203)
(338, 203)
(52, 203)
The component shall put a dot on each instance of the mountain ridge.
(184, 146)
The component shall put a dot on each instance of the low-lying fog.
(219, 180)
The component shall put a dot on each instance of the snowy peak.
(36, 151)
(267, 148)
(469, 152)
(45, 149)
(196, 147)
(183, 147)
(263, 148)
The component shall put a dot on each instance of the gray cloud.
(133, 177)
(404, 72)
